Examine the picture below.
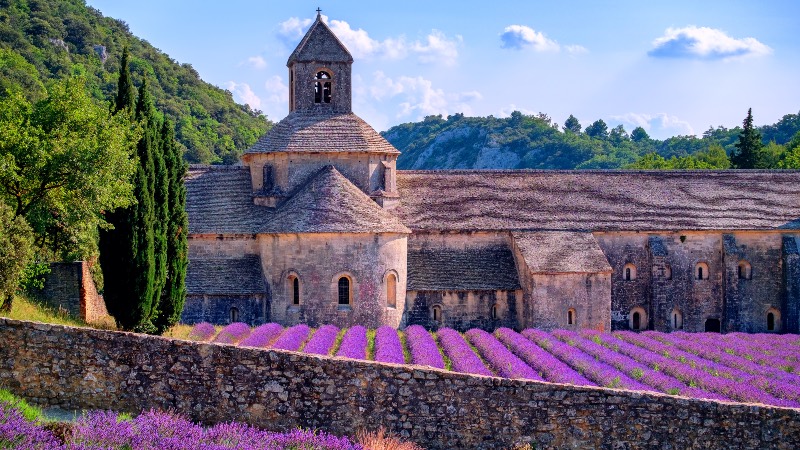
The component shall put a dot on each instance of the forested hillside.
(46, 40)
(536, 142)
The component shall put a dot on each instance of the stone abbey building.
(317, 225)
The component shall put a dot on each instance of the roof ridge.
(295, 56)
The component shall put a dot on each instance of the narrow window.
(701, 271)
(677, 319)
(629, 272)
(494, 312)
(295, 291)
(770, 321)
(571, 317)
(437, 313)
(344, 291)
(234, 314)
(743, 270)
(667, 272)
(636, 321)
(391, 291)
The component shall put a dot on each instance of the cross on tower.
(319, 11)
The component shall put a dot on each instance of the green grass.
(371, 345)
(338, 342)
(27, 309)
(181, 331)
(30, 413)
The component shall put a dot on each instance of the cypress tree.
(125, 99)
(160, 216)
(174, 293)
(748, 154)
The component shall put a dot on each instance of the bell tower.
(320, 72)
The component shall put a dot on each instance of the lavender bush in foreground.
(322, 341)
(292, 338)
(233, 333)
(504, 363)
(202, 332)
(262, 335)
(423, 348)
(550, 367)
(354, 343)
(387, 346)
(20, 434)
(460, 353)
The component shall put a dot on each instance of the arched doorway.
(712, 326)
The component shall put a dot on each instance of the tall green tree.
(748, 153)
(598, 129)
(126, 98)
(160, 213)
(16, 250)
(572, 125)
(173, 296)
(639, 135)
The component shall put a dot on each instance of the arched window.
(773, 320)
(344, 291)
(571, 316)
(322, 87)
(637, 319)
(629, 272)
(744, 270)
(667, 272)
(676, 319)
(495, 313)
(391, 290)
(295, 288)
(701, 271)
(436, 313)
(234, 314)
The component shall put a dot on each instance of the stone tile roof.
(322, 131)
(219, 200)
(330, 203)
(599, 200)
(320, 44)
(561, 252)
(240, 276)
(484, 268)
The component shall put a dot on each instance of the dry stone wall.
(69, 287)
(86, 368)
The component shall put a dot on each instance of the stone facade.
(318, 199)
(78, 368)
(70, 287)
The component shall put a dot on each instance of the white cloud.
(576, 49)
(257, 62)
(506, 112)
(418, 98)
(705, 43)
(518, 37)
(277, 91)
(662, 124)
(435, 48)
(244, 93)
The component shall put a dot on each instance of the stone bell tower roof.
(320, 44)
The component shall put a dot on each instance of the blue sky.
(673, 67)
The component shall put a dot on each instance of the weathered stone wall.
(462, 310)
(554, 295)
(79, 368)
(303, 85)
(69, 287)
(252, 309)
(318, 260)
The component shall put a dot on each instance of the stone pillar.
(791, 284)
(659, 301)
(731, 299)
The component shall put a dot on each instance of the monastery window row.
(436, 313)
(744, 271)
(344, 290)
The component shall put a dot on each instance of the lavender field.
(750, 368)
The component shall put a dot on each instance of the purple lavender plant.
(504, 363)
(423, 348)
(232, 333)
(262, 336)
(550, 367)
(460, 353)
(322, 341)
(354, 343)
(21, 434)
(202, 332)
(387, 346)
(292, 338)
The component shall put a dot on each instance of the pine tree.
(174, 293)
(748, 154)
(125, 98)
(572, 125)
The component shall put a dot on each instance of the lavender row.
(785, 346)
(685, 369)
(461, 355)
(202, 332)
(292, 338)
(423, 348)
(322, 341)
(233, 333)
(548, 366)
(641, 372)
(597, 371)
(262, 336)
(503, 361)
(354, 343)
(387, 346)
